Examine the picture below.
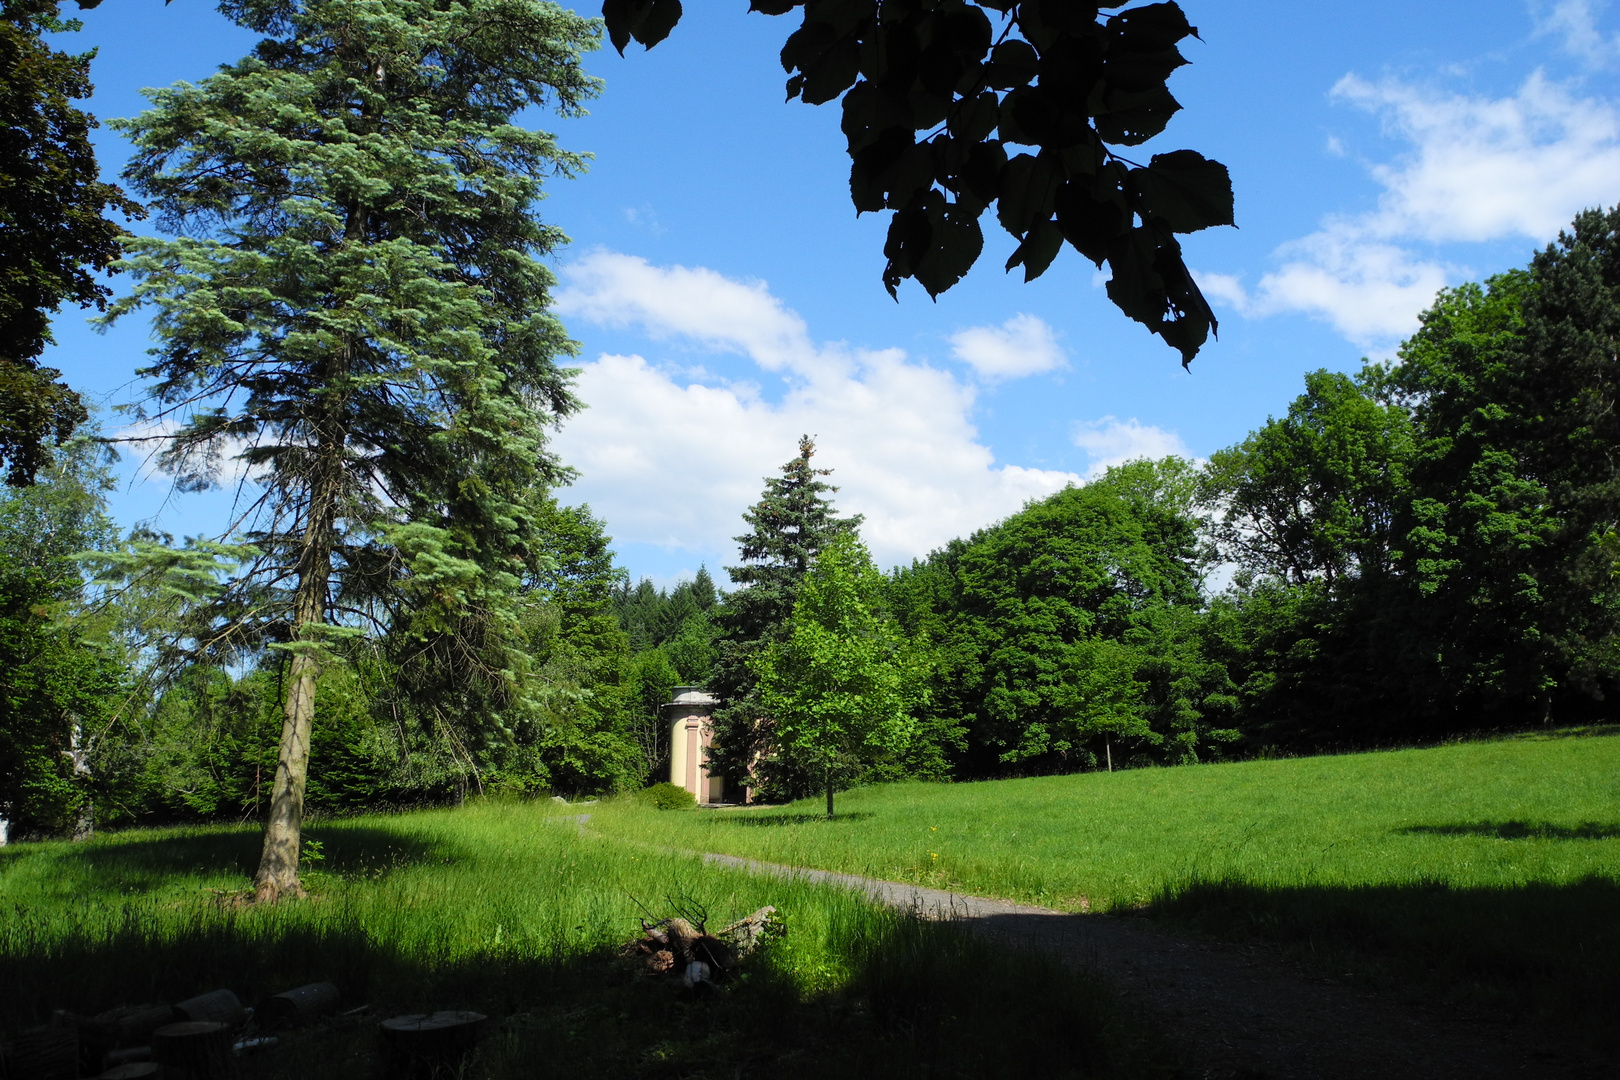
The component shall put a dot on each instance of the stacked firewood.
(683, 950)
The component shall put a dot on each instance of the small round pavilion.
(691, 735)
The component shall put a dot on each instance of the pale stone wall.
(690, 737)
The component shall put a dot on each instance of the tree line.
(350, 309)
(1424, 548)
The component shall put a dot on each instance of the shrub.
(667, 796)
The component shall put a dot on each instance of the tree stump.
(220, 1005)
(194, 1050)
(298, 1006)
(422, 1045)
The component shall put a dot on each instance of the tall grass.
(503, 909)
(1485, 872)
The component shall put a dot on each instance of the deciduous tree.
(55, 233)
(839, 689)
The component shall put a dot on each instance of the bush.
(667, 796)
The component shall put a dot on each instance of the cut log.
(127, 1025)
(220, 1005)
(134, 1070)
(194, 1050)
(46, 1054)
(422, 1045)
(746, 934)
(298, 1006)
(127, 1055)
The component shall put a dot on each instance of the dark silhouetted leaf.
(1012, 63)
(1055, 74)
(660, 20)
(1038, 250)
(1090, 223)
(1025, 192)
(1185, 190)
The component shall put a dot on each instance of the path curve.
(1238, 1010)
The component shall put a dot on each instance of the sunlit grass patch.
(1488, 871)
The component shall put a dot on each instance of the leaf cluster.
(939, 95)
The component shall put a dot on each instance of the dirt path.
(1240, 1011)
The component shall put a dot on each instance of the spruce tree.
(790, 525)
(353, 309)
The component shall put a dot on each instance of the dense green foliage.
(1486, 875)
(352, 325)
(977, 77)
(61, 685)
(791, 524)
(838, 691)
(1070, 629)
(55, 236)
(499, 908)
(390, 394)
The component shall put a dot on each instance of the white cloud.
(1369, 290)
(711, 309)
(671, 459)
(1575, 21)
(1111, 441)
(1023, 345)
(1479, 169)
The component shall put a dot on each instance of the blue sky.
(726, 297)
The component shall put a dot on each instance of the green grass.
(505, 909)
(1486, 872)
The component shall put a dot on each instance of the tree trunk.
(278, 865)
(829, 796)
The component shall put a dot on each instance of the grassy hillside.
(505, 909)
(1488, 872)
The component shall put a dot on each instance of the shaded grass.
(503, 909)
(1487, 873)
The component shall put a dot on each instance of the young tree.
(354, 310)
(839, 689)
(791, 524)
(54, 233)
(977, 77)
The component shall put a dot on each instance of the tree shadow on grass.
(1520, 830)
(118, 866)
(772, 820)
(919, 1000)
(1540, 954)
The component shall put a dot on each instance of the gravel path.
(1239, 1011)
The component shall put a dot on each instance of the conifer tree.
(790, 525)
(353, 309)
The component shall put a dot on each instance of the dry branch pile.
(683, 950)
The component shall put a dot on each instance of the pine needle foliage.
(791, 524)
(352, 311)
